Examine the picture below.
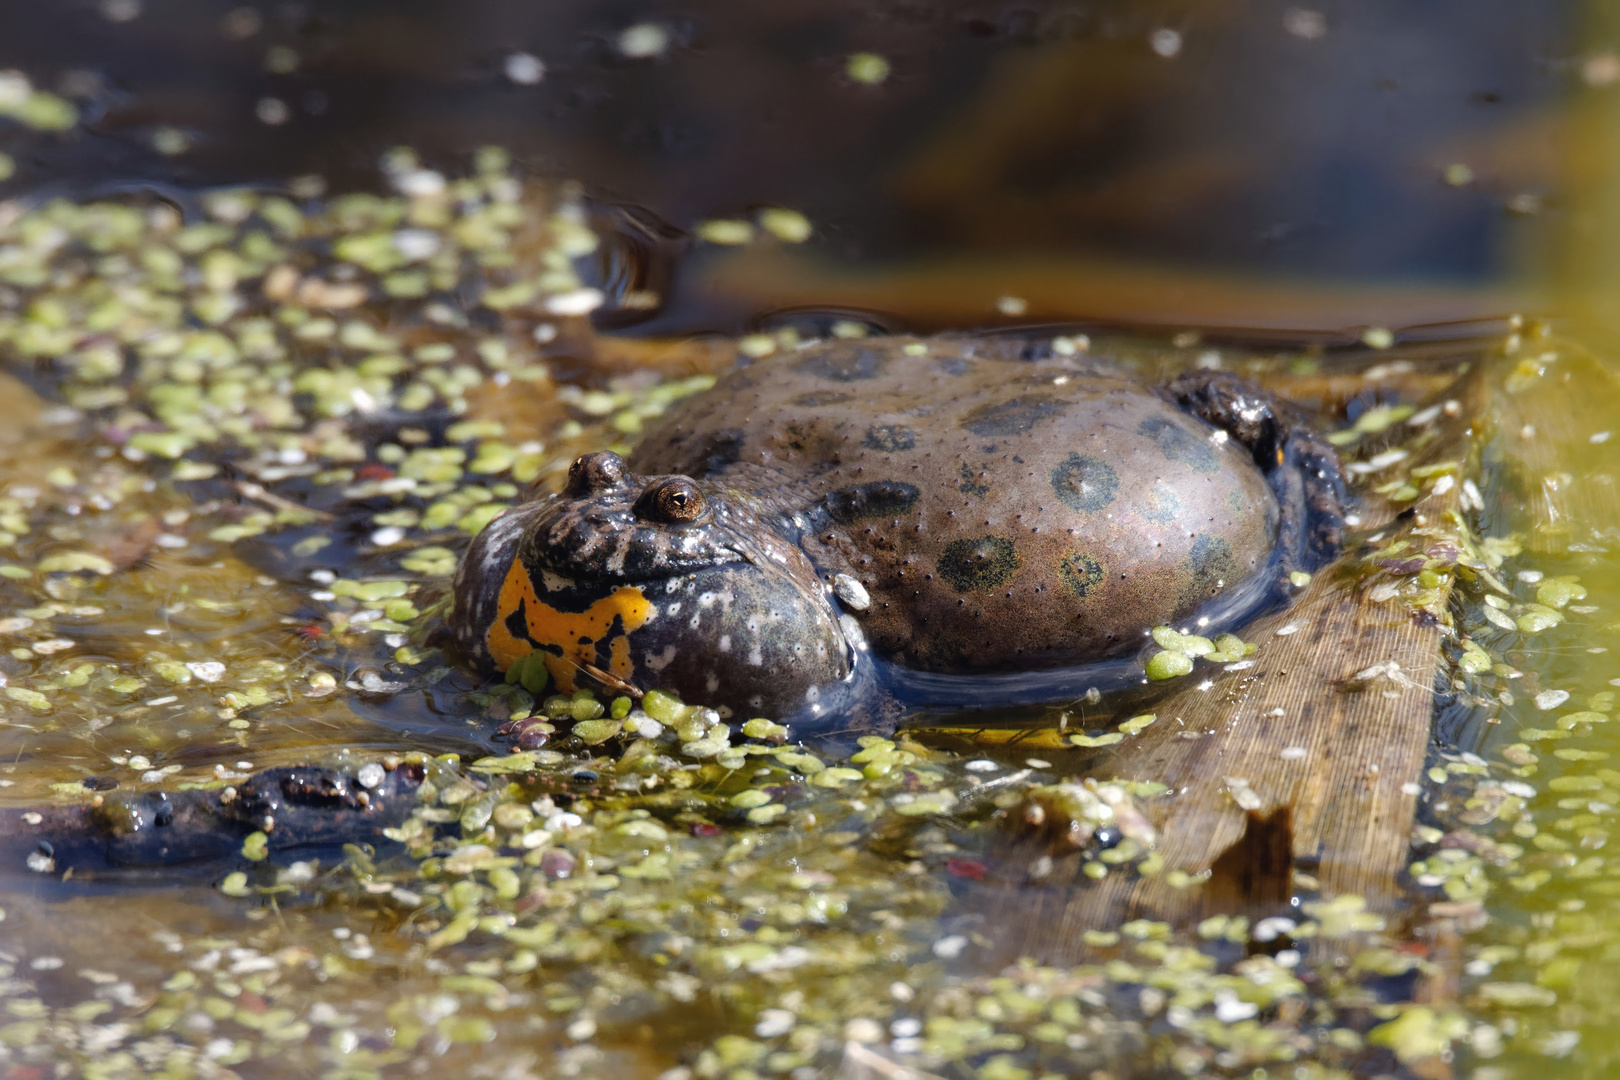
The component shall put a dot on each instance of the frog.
(923, 522)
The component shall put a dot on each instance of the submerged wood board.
(1356, 749)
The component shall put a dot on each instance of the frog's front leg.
(1301, 465)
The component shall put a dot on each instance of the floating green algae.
(268, 433)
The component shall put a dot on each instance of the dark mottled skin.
(1023, 472)
(1002, 515)
(296, 807)
(728, 578)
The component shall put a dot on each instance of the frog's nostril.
(675, 501)
(591, 474)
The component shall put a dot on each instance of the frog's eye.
(675, 501)
(591, 474)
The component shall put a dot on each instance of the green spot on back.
(983, 563)
(1160, 505)
(1014, 416)
(1178, 444)
(1085, 483)
(1213, 568)
(971, 483)
(890, 437)
(1079, 573)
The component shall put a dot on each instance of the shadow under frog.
(776, 549)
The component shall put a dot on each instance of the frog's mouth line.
(558, 576)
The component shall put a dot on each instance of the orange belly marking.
(577, 633)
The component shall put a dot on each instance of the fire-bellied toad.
(939, 519)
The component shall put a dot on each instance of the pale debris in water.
(727, 231)
(1524, 204)
(1165, 42)
(1012, 306)
(1601, 70)
(774, 1022)
(757, 345)
(1242, 794)
(1229, 1009)
(644, 40)
(866, 1030)
(524, 69)
(1424, 416)
(1377, 337)
(868, 68)
(789, 226)
(272, 111)
(417, 244)
(1305, 23)
(170, 142)
(576, 302)
(207, 670)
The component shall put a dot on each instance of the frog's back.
(1001, 513)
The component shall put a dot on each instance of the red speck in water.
(972, 869)
(374, 470)
(705, 828)
(310, 631)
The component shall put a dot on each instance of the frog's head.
(658, 582)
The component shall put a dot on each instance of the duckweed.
(1169, 665)
(768, 905)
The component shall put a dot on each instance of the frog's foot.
(1301, 465)
(294, 807)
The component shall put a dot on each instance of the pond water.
(246, 430)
